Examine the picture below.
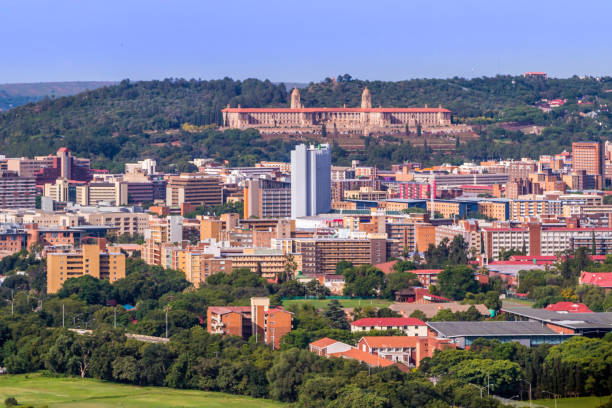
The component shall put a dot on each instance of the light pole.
(530, 402)
(553, 394)
(479, 387)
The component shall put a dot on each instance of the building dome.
(63, 150)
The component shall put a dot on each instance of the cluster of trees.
(35, 337)
(579, 366)
(560, 283)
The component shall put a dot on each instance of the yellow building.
(91, 259)
(424, 235)
(495, 210)
(448, 209)
(190, 262)
(210, 228)
(365, 193)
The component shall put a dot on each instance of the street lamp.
(530, 402)
(553, 394)
(479, 387)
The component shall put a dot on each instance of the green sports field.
(36, 390)
(352, 303)
(581, 402)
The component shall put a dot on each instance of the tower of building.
(366, 99)
(65, 163)
(310, 180)
(296, 103)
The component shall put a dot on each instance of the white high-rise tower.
(310, 180)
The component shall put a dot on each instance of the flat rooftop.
(490, 329)
(601, 320)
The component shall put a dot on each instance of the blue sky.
(286, 40)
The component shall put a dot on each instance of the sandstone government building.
(363, 120)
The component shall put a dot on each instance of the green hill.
(131, 120)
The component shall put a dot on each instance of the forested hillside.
(174, 120)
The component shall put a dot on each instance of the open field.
(517, 302)
(351, 303)
(580, 402)
(36, 390)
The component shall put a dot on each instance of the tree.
(363, 281)
(289, 268)
(289, 370)
(455, 281)
(418, 314)
(125, 369)
(336, 315)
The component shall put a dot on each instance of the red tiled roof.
(370, 359)
(386, 267)
(314, 110)
(570, 307)
(388, 321)
(601, 279)
(324, 342)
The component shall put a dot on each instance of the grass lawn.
(76, 392)
(322, 303)
(517, 302)
(581, 402)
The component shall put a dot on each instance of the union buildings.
(364, 120)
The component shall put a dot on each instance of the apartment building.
(365, 194)
(16, 191)
(320, 255)
(496, 239)
(409, 325)
(406, 350)
(470, 232)
(498, 210)
(124, 222)
(267, 263)
(267, 324)
(524, 210)
(91, 259)
(194, 189)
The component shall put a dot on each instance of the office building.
(194, 189)
(267, 199)
(310, 180)
(589, 156)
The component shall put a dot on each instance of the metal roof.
(570, 320)
(489, 329)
